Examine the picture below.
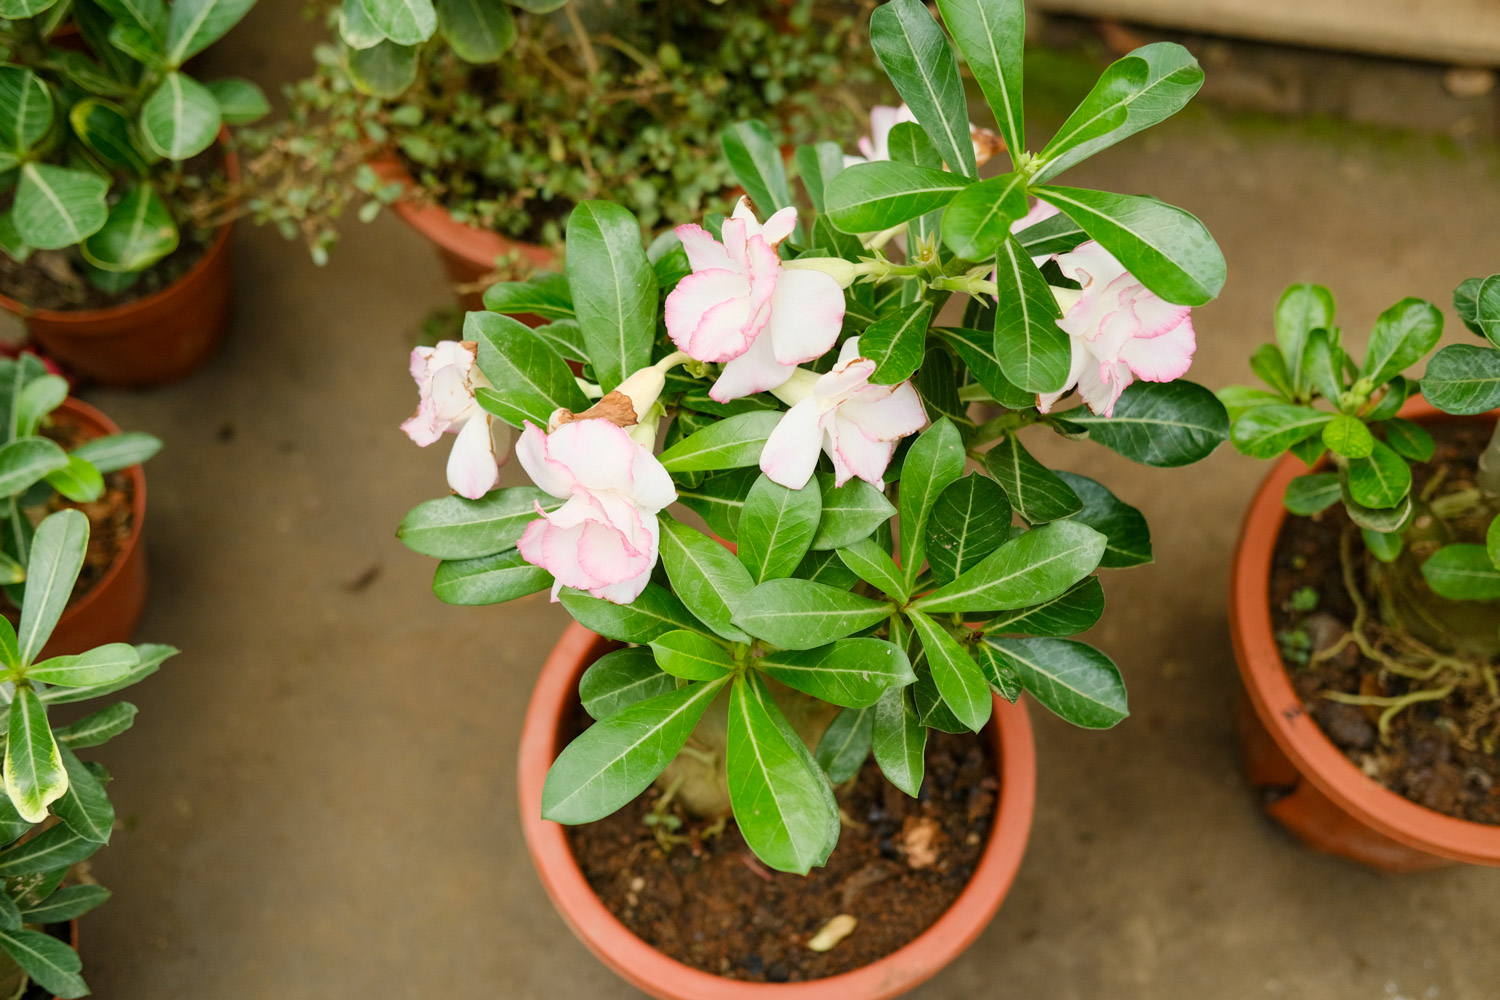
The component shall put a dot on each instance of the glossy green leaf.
(817, 165)
(1383, 545)
(1486, 314)
(478, 31)
(240, 101)
(405, 22)
(618, 757)
(854, 673)
(385, 70)
(1128, 536)
(528, 376)
(1492, 541)
(1348, 436)
(970, 519)
(619, 679)
(25, 107)
(914, 53)
(977, 349)
(51, 963)
(67, 903)
(753, 155)
(798, 614)
(491, 579)
(1161, 424)
(777, 527)
(1002, 677)
(1408, 439)
(151, 656)
(58, 207)
(455, 527)
(1381, 479)
(1267, 431)
(846, 743)
(34, 773)
(1403, 335)
(139, 232)
(543, 294)
(1036, 566)
(978, 219)
(181, 118)
(874, 565)
(1463, 379)
(1302, 309)
(84, 807)
(991, 35)
(653, 613)
(1462, 573)
(1167, 249)
(1035, 492)
(826, 567)
(39, 397)
(871, 197)
(691, 656)
(962, 683)
(897, 342)
(101, 665)
(1071, 678)
(934, 461)
(1075, 610)
(105, 129)
(720, 499)
(194, 25)
(1269, 365)
(1034, 353)
(708, 578)
(1054, 234)
(1307, 495)
(731, 443)
(56, 557)
(850, 512)
(1323, 366)
(54, 848)
(614, 289)
(899, 740)
(97, 728)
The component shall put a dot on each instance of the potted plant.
(55, 811)
(883, 555)
(1366, 580)
(57, 452)
(116, 241)
(489, 129)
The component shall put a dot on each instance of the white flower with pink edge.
(604, 539)
(446, 377)
(855, 422)
(1120, 331)
(740, 307)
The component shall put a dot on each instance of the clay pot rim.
(481, 247)
(1280, 709)
(90, 416)
(86, 319)
(650, 970)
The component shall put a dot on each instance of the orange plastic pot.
(542, 739)
(468, 254)
(148, 341)
(111, 609)
(1309, 786)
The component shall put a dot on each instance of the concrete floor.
(318, 797)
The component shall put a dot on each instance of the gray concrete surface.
(318, 797)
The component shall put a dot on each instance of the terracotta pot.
(111, 609)
(147, 341)
(646, 968)
(1309, 786)
(467, 252)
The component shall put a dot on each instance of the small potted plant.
(57, 452)
(115, 245)
(1366, 581)
(491, 125)
(845, 561)
(55, 811)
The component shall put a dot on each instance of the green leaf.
(1486, 312)
(10, 655)
(1462, 573)
(39, 397)
(614, 289)
(545, 294)
(652, 614)
(114, 452)
(194, 25)
(777, 526)
(1129, 537)
(1381, 479)
(11, 243)
(781, 802)
(720, 499)
(1307, 495)
(1348, 436)
(846, 743)
(491, 579)
(53, 965)
(1323, 366)
(897, 342)
(932, 711)
(1463, 379)
(826, 567)
(935, 460)
(53, 848)
(874, 565)
(850, 512)
(899, 739)
(1071, 678)
(619, 679)
(970, 519)
(990, 34)
(871, 197)
(385, 70)
(914, 53)
(405, 22)
(1035, 492)
(139, 44)
(20, 9)
(478, 31)
(1492, 541)
(1167, 249)
(25, 108)
(57, 207)
(1403, 335)
(56, 557)
(817, 165)
(1036, 566)
(755, 158)
(798, 614)
(979, 218)
(181, 118)
(1145, 87)
(100, 665)
(1408, 439)
(67, 903)
(34, 772)
(1002, 678)
(1075, 610)
(709, 579)
(139, 232)
(1269, 364)
(618, 757)
(691, 656)
(1054, 234)
(1383, 545)
(1033, 351)
(730, 443)
(964, 688)
(854, 673)
(977, 349)
(84, 807)
(150, 16)
(1375, 519)
(99, 727)
(528, 376)
(455, 527)
(152, 655)
(240, 101)
(1161, 424)
(1302, 309)
(1267, 431)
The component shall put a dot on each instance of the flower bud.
(843, 271)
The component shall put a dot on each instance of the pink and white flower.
(604, 539)
(446, 377)
(855, 422)
(883, 118)
(742, 308)
(1120, 331)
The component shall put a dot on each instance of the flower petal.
(1100, 386)
(807, 312)
(697, 297)
(779, 226)
(855, 454)
(532, 451)
(472, 468)
(652, 489)
(599, 455)
(757, 370)
(1081, 360)
(704, 253)
(1163, 358)
(791, 452)
(889, 419)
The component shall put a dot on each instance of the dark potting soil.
(708, 903)
(1439, 754)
